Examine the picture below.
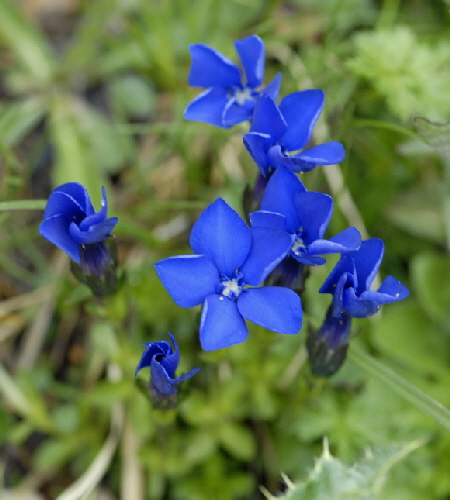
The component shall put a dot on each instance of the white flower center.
(298, 246)
(243, 95)
(232, 288)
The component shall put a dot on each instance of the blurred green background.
(94, 92)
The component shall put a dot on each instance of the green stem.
(446, 200)
(400, 386)
(22, 205)
(367, 123)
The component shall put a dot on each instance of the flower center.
(299, 246)
(231, 288)
(242, 95)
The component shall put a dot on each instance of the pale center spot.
(232, 288)
(243, 95)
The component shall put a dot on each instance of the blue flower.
(163, 362)
(71, 223)
(350, 282)
(230, 261)
(304, 215)
(279, 133)
(229, 98)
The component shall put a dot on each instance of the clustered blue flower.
(234, 267)
(231, 260)
(279, 134)
(230, 96)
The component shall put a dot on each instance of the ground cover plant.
(225, 230)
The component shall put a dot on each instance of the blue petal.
(267, 119)
(344, 266)
(391, 286)
(348, 240)
(188, 278)
(344, 284)
(93, 234)
(277, 158)
(262, 218)
(367, 261)
(221, 324)
(269, 248)
(96, 217)
(391, 290)
(273, 87)
(210, 68)
(56, 230)
(208, 107)
(235, 113)
(60, 203)
(328, 153)
(279, 196)
(276, 308)
(358, 307)
(185, 376)
(172, 359)
(301, 111)
(251, 53)
(307, 259)
(314, 211)
(221, 234)
(67, 194)
(152, 349)
(160, 378)
(257, 145)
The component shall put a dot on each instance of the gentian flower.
(71, 223)
(279, 134)
(349, 283)
(229, 97)
(231, 260)
(304, 215)
(163, 362)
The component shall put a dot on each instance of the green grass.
(100, 101)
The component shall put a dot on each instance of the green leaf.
(418, 216)
(331, 479)
(238, 441)
(404, 333)
(399, 385)
(18, 118)
(436, 134)
(74, 161)
(405, 71)
(26, 42)
(429, 272)
(55, 453)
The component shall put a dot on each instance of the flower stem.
(399, 385)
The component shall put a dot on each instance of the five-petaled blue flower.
(229, 98)
(163, 362)
(230, 261)
(305, 215)
(279, 133)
